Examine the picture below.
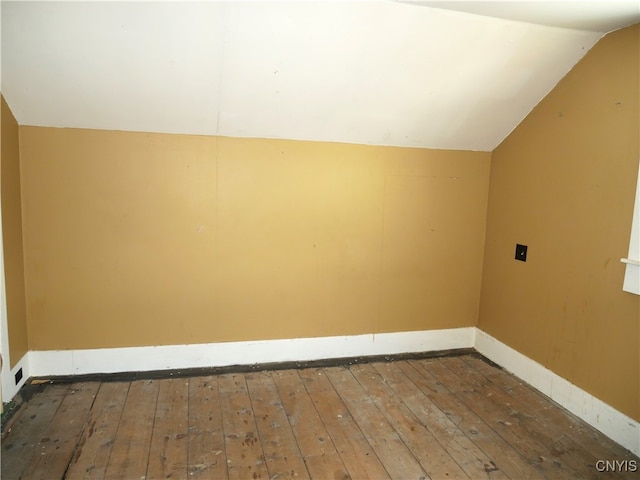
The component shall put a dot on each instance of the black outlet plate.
(521, 252)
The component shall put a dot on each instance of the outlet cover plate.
(521, 252)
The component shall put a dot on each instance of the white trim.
(5, 371)
(631, 281)
(170, 357)
(9, 387)
(614, 424)
(630, 261)
(619, 427)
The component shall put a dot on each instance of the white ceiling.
(595, 15)
(374, 72)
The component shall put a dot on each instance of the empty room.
(374, 239)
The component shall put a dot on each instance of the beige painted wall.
(563, 183)
(12, 235)
(147, 239)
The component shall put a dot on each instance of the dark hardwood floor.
(440, 418)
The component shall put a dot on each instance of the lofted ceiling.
(437, 74)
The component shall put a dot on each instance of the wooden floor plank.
(62, 434)
(433, 458)
(282, 454)
(357, 455)
(245, 457)
(587, 437)
(559, 447)
(389, 447)
(319, 452)
(497, 415)
(94, 448)
(443, 417)
(507, 459)
(130, 453)
(206, 449)
(462, 449)
(53, 389)
(168, 451)
(22, 442)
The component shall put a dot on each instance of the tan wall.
(12, 236)
(563, 183)
(149, 239)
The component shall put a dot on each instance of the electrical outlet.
(521, 252)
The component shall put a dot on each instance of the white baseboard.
(171, 357)
(619, 427)
(614, 424)
(9, 386)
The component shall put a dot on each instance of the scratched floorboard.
(448, 417)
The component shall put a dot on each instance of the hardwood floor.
(448, 417)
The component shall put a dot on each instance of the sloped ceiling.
(453, 75)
